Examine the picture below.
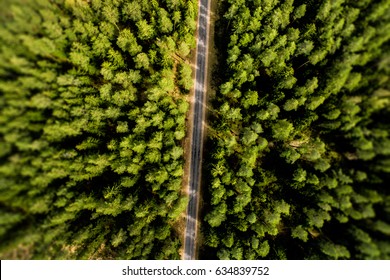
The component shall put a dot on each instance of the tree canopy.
(299, 132)
(93, 101)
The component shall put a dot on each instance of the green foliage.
(334, 251)
(92, 113)
(300, 125)
(282, 129)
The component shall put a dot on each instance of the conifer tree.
(304, 94)
(91, 162)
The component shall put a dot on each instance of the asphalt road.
(197, 130)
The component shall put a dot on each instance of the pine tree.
(305, 80)
(88, 128)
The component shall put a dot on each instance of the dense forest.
(298, 160)
(93, 104)
(93, 119)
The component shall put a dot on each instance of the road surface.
(197, 130)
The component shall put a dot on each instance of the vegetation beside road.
(93, 100)
(93, 106)
(299, 145)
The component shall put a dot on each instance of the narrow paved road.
(197, 132)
